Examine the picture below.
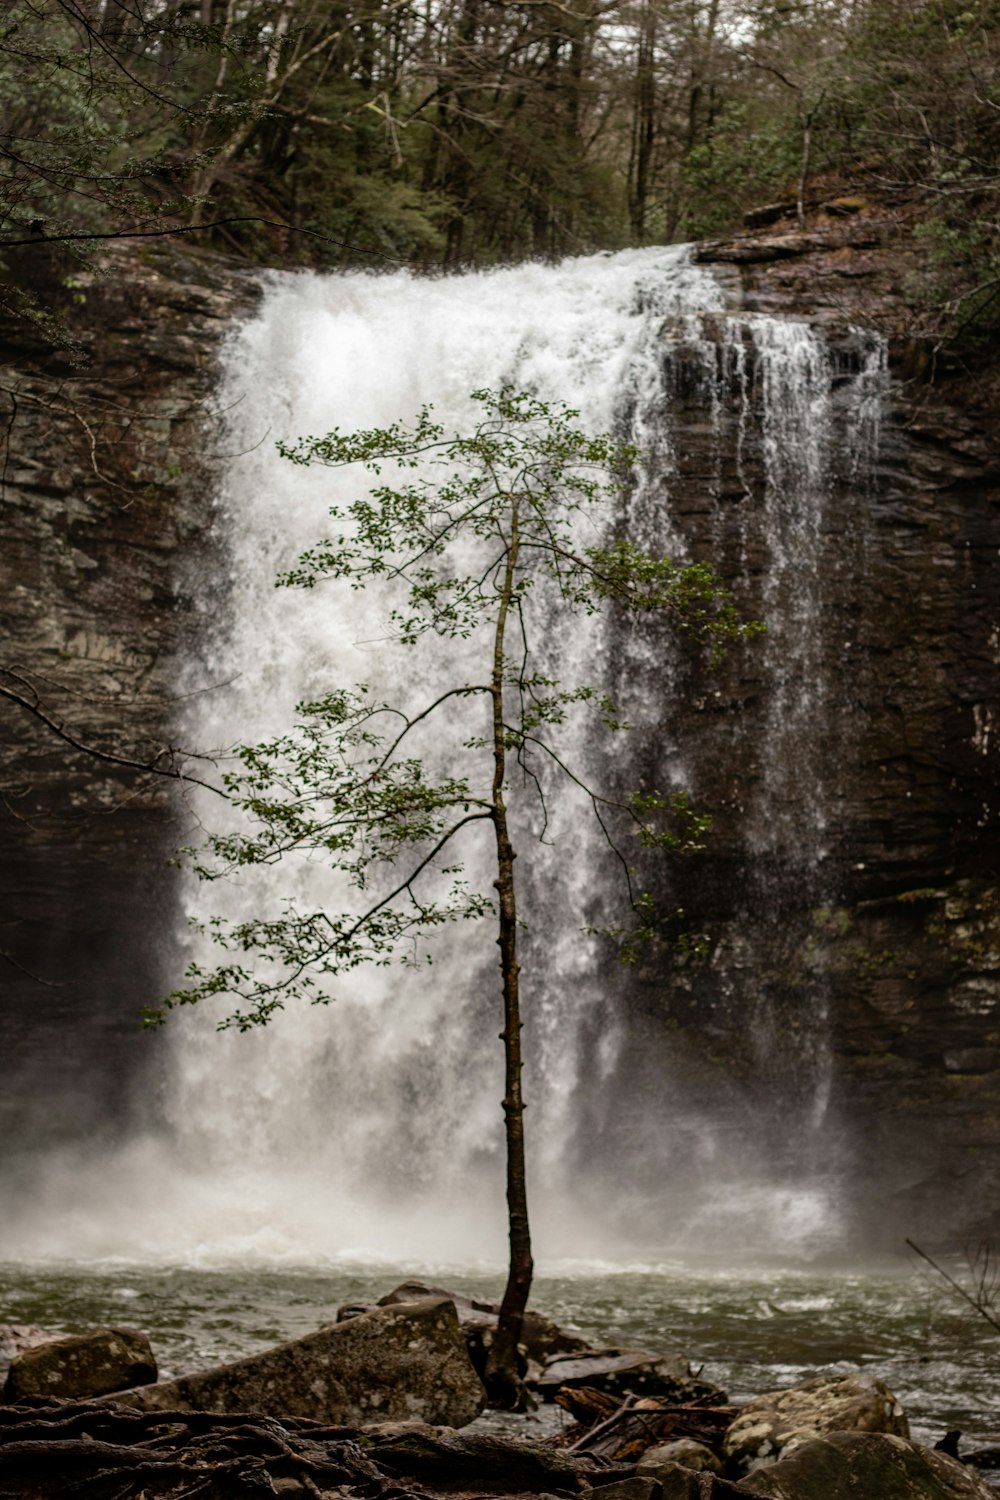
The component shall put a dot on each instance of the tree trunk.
(643, 124)
(503, 1385)
(800, 195)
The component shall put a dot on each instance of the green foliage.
(349, 783)
(962, 280)
(484, 133)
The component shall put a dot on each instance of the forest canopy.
(454, 132)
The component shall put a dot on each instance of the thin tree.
(350, 781)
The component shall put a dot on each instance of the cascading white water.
(372, 1127)
(393, 1139)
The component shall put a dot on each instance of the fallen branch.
(602, 1427)
(640, 1423)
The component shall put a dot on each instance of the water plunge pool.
(752, 1331)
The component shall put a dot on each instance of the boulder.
(841, 1466)
(640, 1487)
(982, 1458)
(680, 1483)
(624, 1371)
(391, 1364)
(776, 1423)
(879, 1465)
(683, 1451)
(540, 1336)
(17, 1336)
(83, 1364)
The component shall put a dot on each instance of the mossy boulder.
(879, 1465)
(684, 1451)
(778, 1422)
(85, 1364)
(391, 1364)
(540, 1336)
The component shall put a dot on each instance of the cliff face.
(849, 895)
(912, 946)
(847, 1007)
(106, 509)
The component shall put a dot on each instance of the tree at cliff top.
(478, 537)
(892, 102)
(92, 111)
(476, 131)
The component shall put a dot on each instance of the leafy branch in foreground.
(474, 539)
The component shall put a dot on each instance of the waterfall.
(371, 1127)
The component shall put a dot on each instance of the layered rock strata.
(859, 955)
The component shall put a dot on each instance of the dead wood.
(586, 1404)
(623, 1434)
(100, 1451)
(464, 1461)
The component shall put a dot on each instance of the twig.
(955, 1286)
(50, 984)
(172, 771)
(584, 1443)
(152, 234)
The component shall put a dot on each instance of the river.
(751, 1331)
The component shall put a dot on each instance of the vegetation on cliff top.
(333, 132)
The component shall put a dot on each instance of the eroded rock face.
(397, 1363)
(85, 1364)
(106, 516)
(775, 1424)
(838, 1026)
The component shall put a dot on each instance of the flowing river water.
(751, 1330)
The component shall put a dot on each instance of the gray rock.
(540, 1336)
(642, 1487)
(683, 1451)
(866, 1466)
(84, 1364)
(779, 1421)
(17, 1336)
(392, 1364)
(679, 1483)
(619, 1371)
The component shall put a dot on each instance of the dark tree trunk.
(643, 125)
(503, 1385)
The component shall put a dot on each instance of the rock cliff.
(106, 496)
(850, 989)
(862, 952)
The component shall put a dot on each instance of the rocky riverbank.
(385, 1403)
